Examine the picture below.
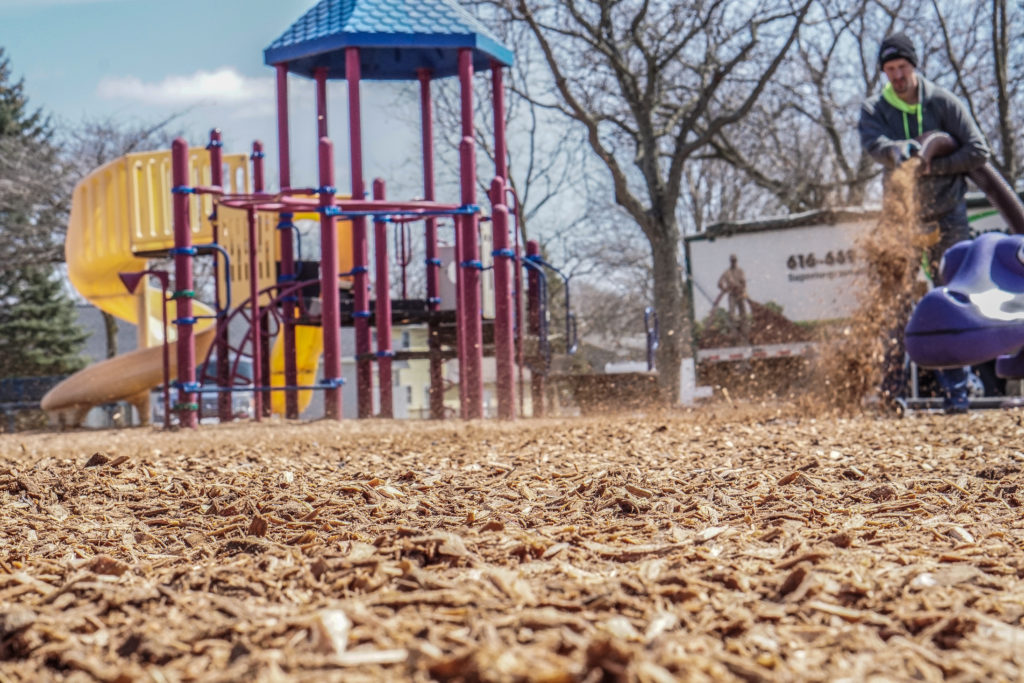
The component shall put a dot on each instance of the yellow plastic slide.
(118, 211)
(309, 346)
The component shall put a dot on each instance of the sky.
(139, 61)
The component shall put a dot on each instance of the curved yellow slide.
(121, 210)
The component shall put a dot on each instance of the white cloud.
(223, 86)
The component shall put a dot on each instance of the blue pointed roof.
(394, 37)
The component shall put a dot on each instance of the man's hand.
(903, 151)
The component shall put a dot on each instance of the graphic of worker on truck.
(733, 283)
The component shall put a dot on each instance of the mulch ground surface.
(730, 543)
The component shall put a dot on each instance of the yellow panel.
(309, 345)
(119, 209)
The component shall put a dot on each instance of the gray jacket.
(882, 127)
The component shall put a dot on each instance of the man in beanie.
(909, 106)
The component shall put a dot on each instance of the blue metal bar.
(214, 247)
(286, 224)
(571, 339)
(388, 215)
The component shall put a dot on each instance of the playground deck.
(729, 544)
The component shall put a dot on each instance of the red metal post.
(433, 262)
(330, 315)
(427, 126)
(500, 149)
(183, 282)
(473, 332)
(162, 276)
(360, 250)
(518, 300)
(257, 166)
(504, 259)
(504, 343)
(383, 309)
(224, 411)
(263, 359)
(254, 306)
(287, 242)
(283, 151)
(533, 327)
(320, 74)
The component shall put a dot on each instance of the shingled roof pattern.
(395, 38)
(331, 17)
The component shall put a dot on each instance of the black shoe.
(956, 405)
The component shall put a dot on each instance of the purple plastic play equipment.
(978, 313)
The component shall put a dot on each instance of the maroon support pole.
(183, 282)
(518, 266)
(473, 336)
(166, 352)
(257, 159)
(383, 310)
(320, 74)
(427, 124)
(500, 150)
(504, 343)
(329, 284)
(433, 262)
(533, 327)
(504, 259)
(287, 251)
(254, 307)
(257, 156)
(283, 144)
(224, 411)
(360, 255)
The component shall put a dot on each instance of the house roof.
(395, 38)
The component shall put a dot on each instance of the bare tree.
(800, 142)
(982, 60)
(652, 83)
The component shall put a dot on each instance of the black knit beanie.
(896, 46)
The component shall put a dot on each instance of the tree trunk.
(671, 306)
(1001, 55)
(110, 327)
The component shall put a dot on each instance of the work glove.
(903, 150)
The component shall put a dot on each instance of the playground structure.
(193, 203)
(975, 316)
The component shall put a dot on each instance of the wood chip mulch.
(749, 543)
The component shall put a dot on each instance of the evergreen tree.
(15, 118)
(39, 334)
(33, 192)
